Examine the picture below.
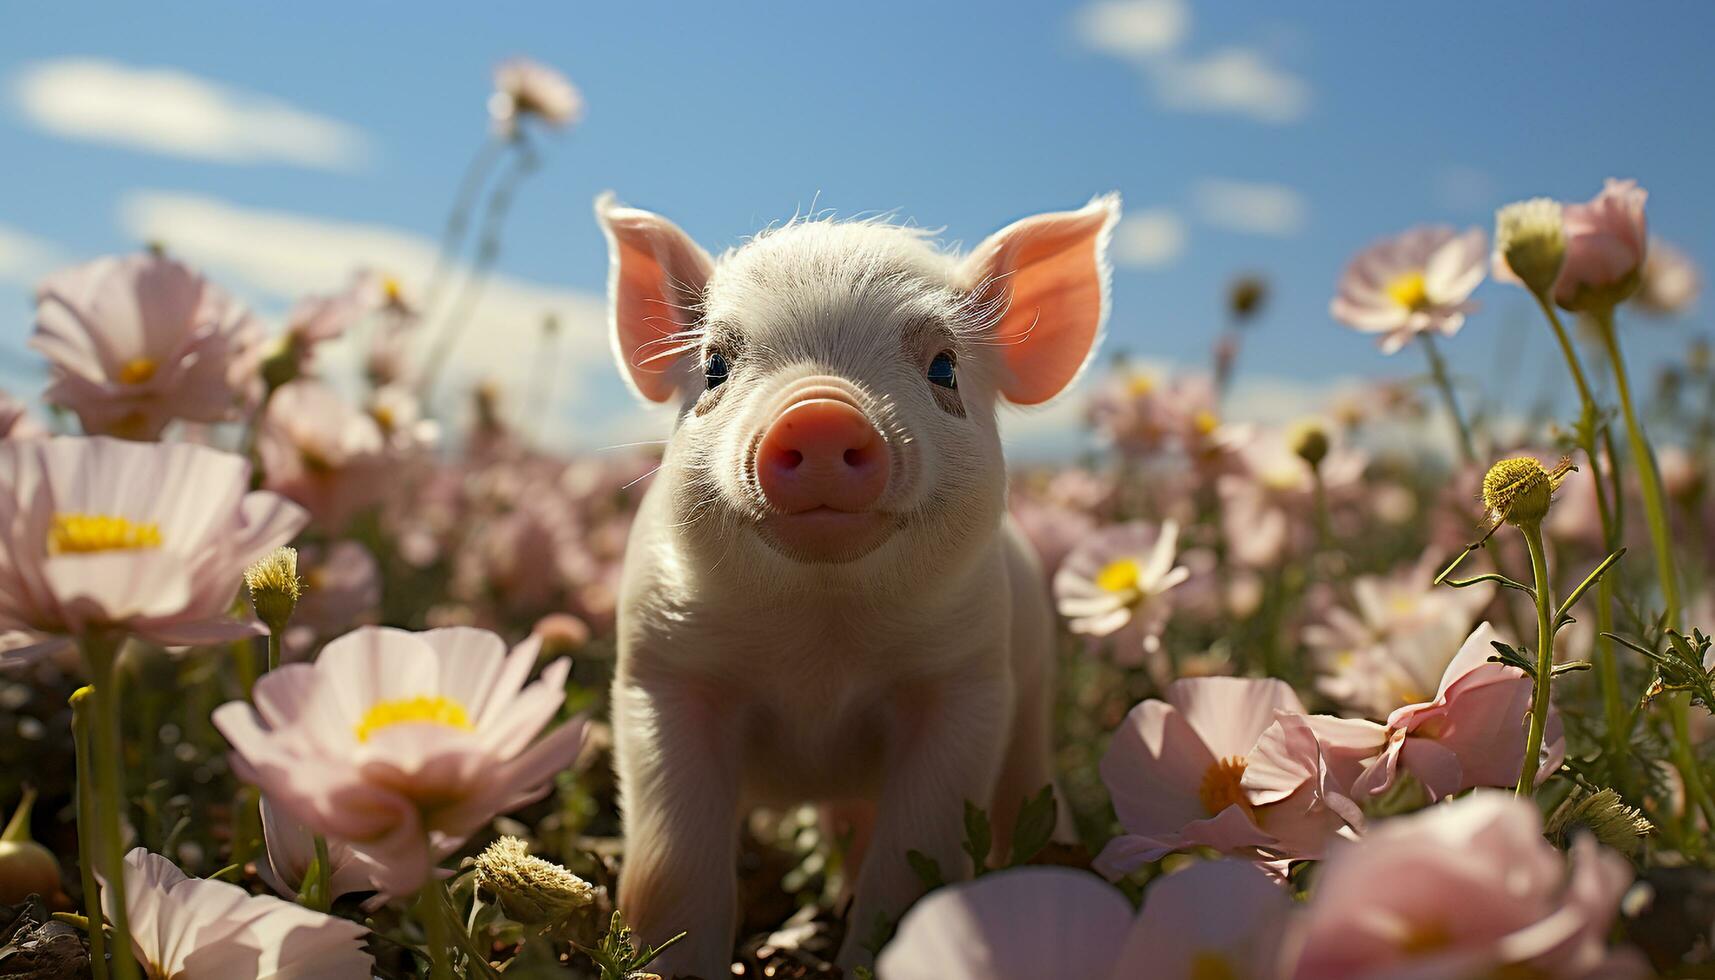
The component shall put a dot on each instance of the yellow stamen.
(1212, 966)
(1205, 422)
(1119, 575)
(84, 533)
(423, 709)
(1220, 788)
(1140, 384)
(137, 370)
(1408, 290)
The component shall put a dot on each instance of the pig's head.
(837, 381)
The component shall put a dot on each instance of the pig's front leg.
(945, 748)
(676, 749)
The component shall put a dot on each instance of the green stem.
(1544, 659)
(436, 935)
(86, 831)
(1607, 665)
(1655, 501)
(1438, 369)
(324, 886)
(273, 650)
(101, 655)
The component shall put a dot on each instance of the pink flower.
(15, 421)
(140, 340)
(527, 88)
(193, 929)
(291, 849)
(342, 588)
(1213, 919)
(1671, 280)
(404, 744)
(1052, 530)
(1472, 733)
(1114, 585)
(1393, 647)
(1466, 889)
(319, 450)
(146, 539)
(1606, 241)
(1416, 282)
(1176, 771)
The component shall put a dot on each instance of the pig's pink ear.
(1046, 280)
(655, 284)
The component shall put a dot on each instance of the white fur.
(913, 678)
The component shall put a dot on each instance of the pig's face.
(837, 382)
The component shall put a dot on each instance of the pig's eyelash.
(667, 347)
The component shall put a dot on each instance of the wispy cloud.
(1149, 239)
(277, 255)
(164, 110)
(1232, 79)
(1251, 208)
(26, 258)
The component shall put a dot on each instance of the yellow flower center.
(1425, 937)
(1119, 575)
(137, 370)
(1205, 422)
(424, 709)
(1220, 787)
(84, 533)
(1408, 291)
(1140, 384)
(1212, 966)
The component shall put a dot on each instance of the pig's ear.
(1044, 283)
(655, 284)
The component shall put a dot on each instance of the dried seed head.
(533, 891)
(1519, 490)
(274, 586)
(1605, 815)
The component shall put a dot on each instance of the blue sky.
(1244, 136)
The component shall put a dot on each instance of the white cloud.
(26, 258)
(1252, 208)
(164, 110)
(280, 255)
(1150, 238)
(1236, 80)
(1133, 28)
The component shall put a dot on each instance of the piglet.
(823, 598)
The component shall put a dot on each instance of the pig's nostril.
(854, 457)
(822, 452)
(791, 458)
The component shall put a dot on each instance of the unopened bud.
(1519, 490)
(533, 891)
(1246, 296)
(1530, 237)
(26, 867)
(1309, 439)
(274, 587)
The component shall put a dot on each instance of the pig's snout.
(822, 452)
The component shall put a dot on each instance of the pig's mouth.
(824, 535)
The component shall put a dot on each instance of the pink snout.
(822, 453)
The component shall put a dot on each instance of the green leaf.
(1034, 827)
(979, 837)
(927, 869)
(1679, 667)
(1505, 654)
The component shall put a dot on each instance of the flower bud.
(531, 890)
(1530, 237)
(26, 867)
(1245, 297)
(274, 587)
(1519, 490)
(1606, 244)
(1310, 441)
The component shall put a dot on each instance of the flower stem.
(1607, 666)
(80, 722)
(1438, 370)
(436, 936)
(101, 655)
(1539, 703)
(324, 876)
(273, 649)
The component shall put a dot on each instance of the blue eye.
(942, 371)
(715, 369)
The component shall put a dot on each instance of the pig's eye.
(942, 371)
(715, 369)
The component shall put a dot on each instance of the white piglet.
(823, 598)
